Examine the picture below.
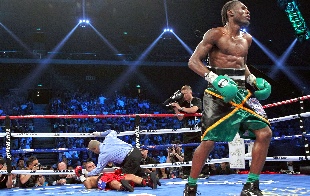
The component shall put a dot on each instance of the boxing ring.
(270, 183)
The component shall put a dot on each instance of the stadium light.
(84, 22)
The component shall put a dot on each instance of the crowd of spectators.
(87, 103)
(14, 104)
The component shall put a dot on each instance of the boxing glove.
(78, 171)
(225, 85)
(81, 173)
(261, 86)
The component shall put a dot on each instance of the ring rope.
(161, 165)
(287, 101)
(159, 131)
(101, 116)
(142, 132)
(42, 150)
(305, 114)
(141, 115)
(290, 117)
(151, 147)
(211, 161)
(50, 172)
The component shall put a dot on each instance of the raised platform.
(271, 184)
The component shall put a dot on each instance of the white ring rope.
(50, 172)
(121, 134)
(180, 164)
(290, 117)
(160, 165)
(142, 132)
(290, 137)
(28, 150)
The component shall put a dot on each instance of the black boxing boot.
(190, 190)
(251, 189)
(152, 180)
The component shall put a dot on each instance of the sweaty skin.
(226, 47)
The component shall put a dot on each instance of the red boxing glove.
(78, 171)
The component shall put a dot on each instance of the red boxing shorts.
(105, 178)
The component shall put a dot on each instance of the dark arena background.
(121, 57)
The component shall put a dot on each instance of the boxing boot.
(251, 189)
(190, 190)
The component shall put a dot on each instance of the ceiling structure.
(131, 26)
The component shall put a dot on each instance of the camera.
(170, 150)
(176, 97)
(38, 166)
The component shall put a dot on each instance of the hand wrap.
(261, 86)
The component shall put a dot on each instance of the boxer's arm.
(195, 62)
(247, 71)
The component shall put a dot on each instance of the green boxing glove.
(225, 85)
(262, 87)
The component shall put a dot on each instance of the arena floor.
(271, 184)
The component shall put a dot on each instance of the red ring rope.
(287, 101)
(101, 116)
(142, 115)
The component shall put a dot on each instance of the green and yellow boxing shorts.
(221, 121)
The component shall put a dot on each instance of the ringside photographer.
(189, 104)
(174, 154)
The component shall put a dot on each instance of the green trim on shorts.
(240, 119)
